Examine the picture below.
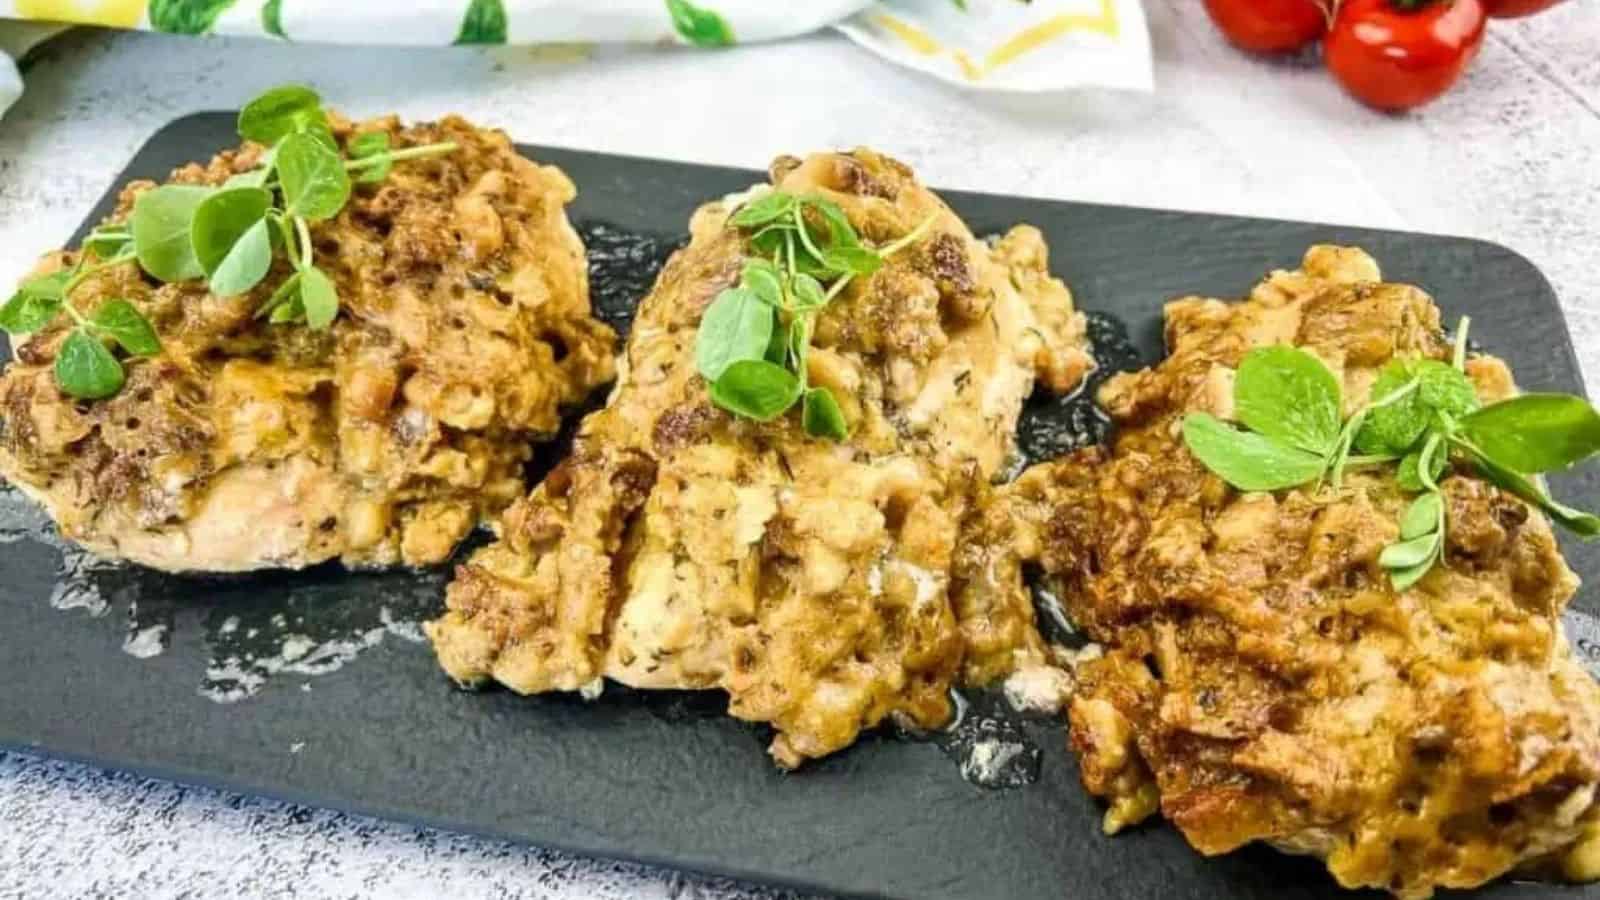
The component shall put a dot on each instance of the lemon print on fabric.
(186, 16)
(115, 13)
(699, 26)
(484, 23)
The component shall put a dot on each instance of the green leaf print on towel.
(484, 23)
(186, 16)
(272, 18)
(699, 26)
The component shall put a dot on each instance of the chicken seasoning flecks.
(383, 440)
(1261, 677)
(824, 586)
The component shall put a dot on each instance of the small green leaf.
(808, 293)
(1410, 553)
(841, 233)
(217, 233)
(1535, 432)
(257, 177)
(86, 369)
(315, 183)
(1395, 427)
(852, 260)
(800, 344)
(123, 323)
(246, 264)
(1408, 475)
(291, 310)
(372, 145)
(106, 245)
(771, 241)
(821, 415)
(698, 25)
(736, 326)
(318, 297)
(368, 143)
(285, 292)
(769, 207)
(778, 346)
(1445, 389)
(1579, 522)
(1422, 516)
(1289, 396)
(1247, 460)
(762, 280)
(322, 133)
(813, 266)
(484, 23)
(34, 304)
(280, 112)
(1404, 579)
(160, 224)
(755, 389)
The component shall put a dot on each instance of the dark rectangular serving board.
(664, 779)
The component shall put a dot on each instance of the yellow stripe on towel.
(918, 40)
(1032, 38)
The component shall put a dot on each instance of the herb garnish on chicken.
(447, 325)
(224, 234)
(1421, 411)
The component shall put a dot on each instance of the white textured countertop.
(1512, 155)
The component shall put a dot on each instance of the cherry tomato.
(1269, 26)
(1397, 54)
(1511, 9)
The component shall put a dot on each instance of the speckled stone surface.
(1512, 156)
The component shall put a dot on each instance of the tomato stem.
(1330, 10)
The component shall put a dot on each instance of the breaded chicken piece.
(680, 547)
(384, 439)
(1261, 678)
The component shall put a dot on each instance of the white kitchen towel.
(1011, 45)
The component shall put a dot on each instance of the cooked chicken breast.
(680, 547)
(1261, 679)
(384, 439)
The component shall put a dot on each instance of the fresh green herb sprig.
(1425, 415)
(84, 367)
(754, 338)
(226, 235)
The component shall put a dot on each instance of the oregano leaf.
(1246, 460)
(85, 369)
(756, 389)
(736, 326)
(123, 323)
(161, 226)
(1290, 396)
(318, 297)
(34, 304)
(821, 416)
(315, 183)
(1422, 516)
(280, 112)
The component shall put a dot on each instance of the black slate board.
(664, 779)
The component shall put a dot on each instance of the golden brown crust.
(385, 439)
(1261, 674)
(808, 579)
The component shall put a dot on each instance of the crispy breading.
(681, 547)
(384, 439)
(1260, 674)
